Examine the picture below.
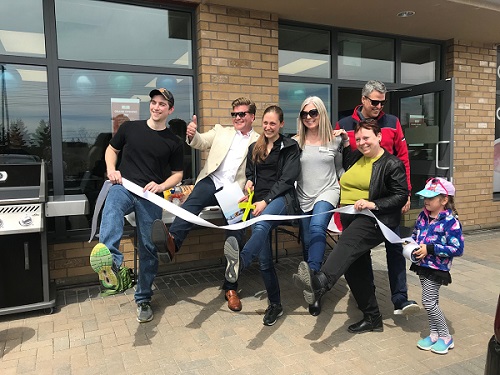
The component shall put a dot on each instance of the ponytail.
(451, 205)
(259, 153)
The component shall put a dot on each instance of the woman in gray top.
(318, 187)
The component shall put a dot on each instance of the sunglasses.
(376, 102)
(312, 113)
(239, 114)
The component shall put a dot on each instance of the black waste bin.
(493, 358)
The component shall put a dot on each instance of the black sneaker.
(273, 312)
(144, 312)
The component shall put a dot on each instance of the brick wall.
(237, 56)
(473, 66)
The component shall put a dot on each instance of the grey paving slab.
(193, 331)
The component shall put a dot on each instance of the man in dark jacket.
(393, 140)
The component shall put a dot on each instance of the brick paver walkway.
(193, 331)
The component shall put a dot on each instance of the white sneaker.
(408, 308)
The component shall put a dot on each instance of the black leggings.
(351, 258)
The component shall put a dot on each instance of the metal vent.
(20, 209)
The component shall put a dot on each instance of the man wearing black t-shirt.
(148, 151)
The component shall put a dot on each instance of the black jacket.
(388, 185)
(288, 172)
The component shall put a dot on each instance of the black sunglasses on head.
(313, 113)
(376, 102)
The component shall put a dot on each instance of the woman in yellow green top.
(374, 180)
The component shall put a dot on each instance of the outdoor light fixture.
(406, 13)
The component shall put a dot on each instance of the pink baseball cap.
(435, 186)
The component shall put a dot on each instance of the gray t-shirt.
(319, 180)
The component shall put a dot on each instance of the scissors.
(247, 206)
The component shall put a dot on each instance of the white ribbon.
(179, 211)
(192, 218)
(409, 245)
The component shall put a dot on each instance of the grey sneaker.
(273, 312)
(144, 312)
(408, 308)
(232, 253)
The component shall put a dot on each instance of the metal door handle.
(437, 155)
(26, 256)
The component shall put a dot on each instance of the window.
(419, 62)
(101, 31)
(21, 30)
(304, 52)
(25, 132)
(365, 57)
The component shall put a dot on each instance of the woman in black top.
(273, 165)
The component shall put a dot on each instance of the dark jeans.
(396, 267)
(351, 258)
(259, 245)
(203, 195)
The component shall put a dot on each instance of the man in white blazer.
(225, 164)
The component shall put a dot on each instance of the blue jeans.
(259, 245)
(119, 203)
(203, 195)
(396, 267)
(313, 231)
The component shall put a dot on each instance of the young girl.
(439, 234)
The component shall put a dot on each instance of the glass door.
(426, 114)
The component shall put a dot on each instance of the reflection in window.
(102, 31)
(25, 127)
(365, 57)
(419, 120)
(420, 62)
(304, 52)
(94, 104)
(291, 97)
(21, 30)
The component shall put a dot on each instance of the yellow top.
(355, 182)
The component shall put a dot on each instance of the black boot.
(314, 285)
(368, 324)
(315, 308)
(319, 286)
